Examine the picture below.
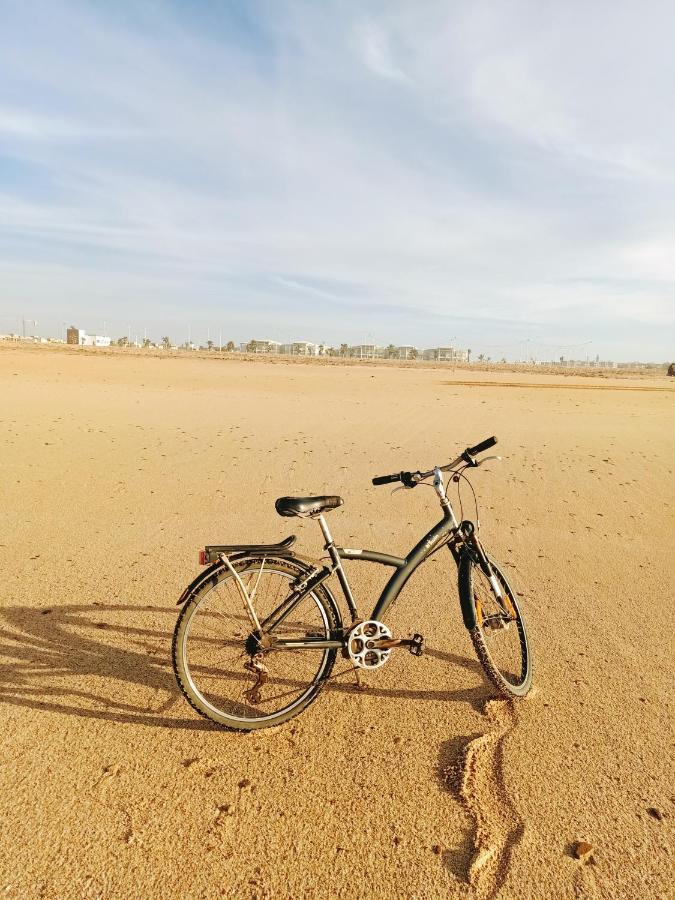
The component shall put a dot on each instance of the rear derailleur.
(261, 673)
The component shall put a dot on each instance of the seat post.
(337, 567)
(326, 533)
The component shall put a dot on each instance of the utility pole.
(30, 321)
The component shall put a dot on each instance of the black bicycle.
(260, 630)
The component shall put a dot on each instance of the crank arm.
(415, 644)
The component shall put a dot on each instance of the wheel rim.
(214, 657)
(501, 627)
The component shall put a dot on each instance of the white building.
(405, 352)
(367, 351)
(79, 337)
(260, 347)
(446, 354)
(300, 348)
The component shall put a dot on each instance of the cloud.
(375, 47)
(493, 166)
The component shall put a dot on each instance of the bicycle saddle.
(306, 506)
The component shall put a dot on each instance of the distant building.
(260, 347)
(446, 354)
(596, 363)
(75, 336)
(367, 351)
(79, 337)
(300, 348)
(407, 351)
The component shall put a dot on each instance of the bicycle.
(261, 613)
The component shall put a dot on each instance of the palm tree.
(230, 346)
(209, 345)
(166, 342)
(481, 357)
(390, 352)
(146, 342)
(344, 349)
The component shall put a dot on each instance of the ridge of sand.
(477, 778)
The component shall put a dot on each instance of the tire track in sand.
(498, 828)
(561, 386)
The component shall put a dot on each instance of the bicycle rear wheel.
(499, 636)
(214, 647)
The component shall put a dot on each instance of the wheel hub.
(255, 643)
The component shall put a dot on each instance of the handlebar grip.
(386, 479)
(484, 445)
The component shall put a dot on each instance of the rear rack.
(213, 552)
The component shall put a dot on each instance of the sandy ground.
(115, 471)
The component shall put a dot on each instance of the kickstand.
(360, 685)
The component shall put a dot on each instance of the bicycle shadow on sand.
(112, 661)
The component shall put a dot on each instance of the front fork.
(467, 533)
(466, 538)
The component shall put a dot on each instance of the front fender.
(465, 594)
(197, 582)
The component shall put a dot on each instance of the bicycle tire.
(331, 621)
(512, 687)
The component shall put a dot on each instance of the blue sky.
(417, 172)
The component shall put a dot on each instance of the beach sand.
(116, 471)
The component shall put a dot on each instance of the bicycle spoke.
(219, 670)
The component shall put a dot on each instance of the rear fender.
(196, 583)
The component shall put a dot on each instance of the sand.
(115, 472)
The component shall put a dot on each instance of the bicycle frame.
(448, 532)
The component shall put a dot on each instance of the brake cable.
(456, 477)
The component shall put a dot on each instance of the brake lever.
(487, 459)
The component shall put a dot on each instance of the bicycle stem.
(439, 487)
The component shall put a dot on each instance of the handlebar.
(484, 445)
(410, 479)
(387, 479)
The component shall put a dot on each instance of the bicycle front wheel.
(217, 658)
(499, 637)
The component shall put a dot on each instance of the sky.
(499, 176)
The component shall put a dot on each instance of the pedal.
(416, 645)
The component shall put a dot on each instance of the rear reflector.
(202, 557)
